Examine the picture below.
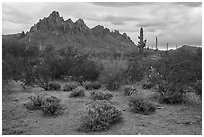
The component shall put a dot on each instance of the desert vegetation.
(100, 92)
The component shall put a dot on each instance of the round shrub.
(129, 90)
(171, 94)
(91, 85)
(172, 98)
(77, 92)
(113, 85)
(70, 86)
(101, 115)
(99, 95)
(52, 106)
(142, 106)
(34, 102)
(54, 86)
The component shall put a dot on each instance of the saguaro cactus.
(156, 44)
(141, 43)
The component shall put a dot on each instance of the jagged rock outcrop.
(56, 31)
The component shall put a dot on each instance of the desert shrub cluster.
(138, 68)
(91, 85)
(99, 95)
(129, 90)
(114, 73)
(71, 86)
(101, 115)
(50, 105)
(77, 92)
(141, 105)
(170, 94)
(42, 66)
(35, 102)
(54, 86)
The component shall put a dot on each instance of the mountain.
(54, 30)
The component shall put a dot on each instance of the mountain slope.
(54, 30)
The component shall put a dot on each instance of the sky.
(175, 23)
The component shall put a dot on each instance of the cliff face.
(58, 32)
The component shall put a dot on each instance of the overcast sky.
(175, 23)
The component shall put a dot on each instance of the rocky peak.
(80, 21)
(55, 24)
(55, 18)
(54, 14)
(69, 21)
(116, 33)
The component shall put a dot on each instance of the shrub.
(84, 68)
(142, 106)
(171, 94)
(70, 86)
(49, 105)
(147, 85)
(138, 67)
(101, 116)
(129, 90)
(114, 73)
(113, 85)
(99, 95)
(91, 86)
(35, 103)
(77, 92)
(52, 106)
(172, 98)
(198, 87)
(54, 86)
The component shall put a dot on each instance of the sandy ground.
(183, 119)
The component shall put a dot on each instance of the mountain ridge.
(54, 30)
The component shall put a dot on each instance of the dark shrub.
(49, 105)
(99, 95)
(77, 92)
(101, 116)
(114, 73)
(129, 90)
(147, 85)
(84, 69)
(70, 86)
(54, 86)
(171, 94)
(35, 103)
(91, 85)
(52, 106)
(198, 87)
(138, 67)
(172, 98)
(113, 85)
(142, 106)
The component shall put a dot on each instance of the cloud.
(118, 23)
(190, 4)
(173, 22)
(151, 24)
(120, 4)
